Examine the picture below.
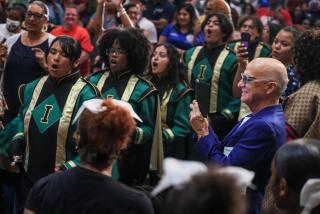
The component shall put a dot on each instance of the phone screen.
(245, 39)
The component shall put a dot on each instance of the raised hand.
(242, 55)
(41, 57)
(198, 123)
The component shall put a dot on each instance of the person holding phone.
(251, 30)
(212, 67)
(249, 47)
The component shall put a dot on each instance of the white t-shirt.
(149, 28)
(4, 33)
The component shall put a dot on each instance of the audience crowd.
(95, 94)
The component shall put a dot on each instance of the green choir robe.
(216, 67)
(175, 112)
(142, 95)
(45, 122)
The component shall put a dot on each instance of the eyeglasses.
(116, 51)
(35, 15)
(247, 79)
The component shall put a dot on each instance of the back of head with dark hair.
(297, 161)
(225, 25)
(307, 55)
(295, 31)
(101, 136)
(135, 44)
(274, 29)
(70, 47)
(206, 194)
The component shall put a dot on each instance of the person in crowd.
(298, 15)
(55, 12)
(44, 129)
(302, 108)
(168, 76)
(314, 10)
(15, 18)
(89, 188)
(138, 20)
(206, 193)
(109, 14)
(294, 164)
(215, 65)
(255, 139)
(160, 12)
(306, 24)
(25, 53)
(181, 32)
(216, 6)
(282, 50)
(71, 28)
(274, 12)
(248, 9)
(125, 52)
(256, 48)
(270, 31)
(316, 24)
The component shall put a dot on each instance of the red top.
(266, 15)
(81, 34)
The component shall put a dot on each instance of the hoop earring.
(45, 28)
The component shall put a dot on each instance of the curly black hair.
(135, 44)
(176, 70)
(307, 55)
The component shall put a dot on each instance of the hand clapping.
(198, 123)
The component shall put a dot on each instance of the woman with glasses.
(25, 56)
(44, 127)
(168, 75)
(256, 48)
(125, 53)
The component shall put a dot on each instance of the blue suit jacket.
(252, 146)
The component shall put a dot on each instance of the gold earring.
(45, 28)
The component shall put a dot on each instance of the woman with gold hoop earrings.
(25, 56)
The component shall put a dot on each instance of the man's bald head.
(273, 69)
